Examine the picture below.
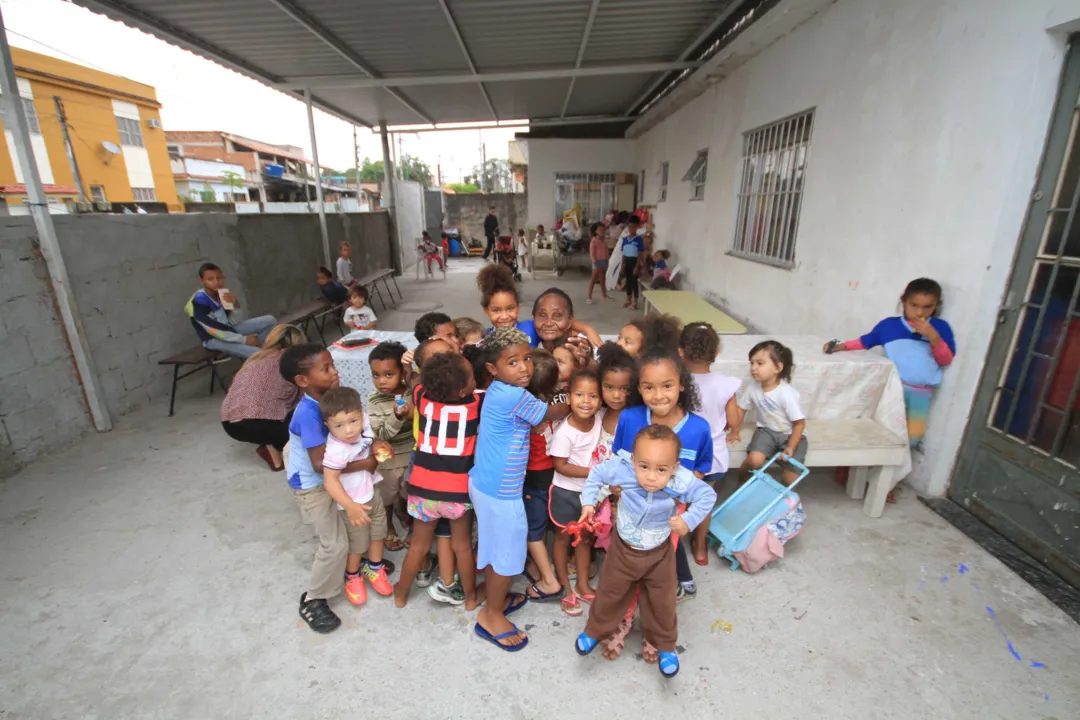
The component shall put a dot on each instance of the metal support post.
(318, 181)
(391, 201)
(50, 245)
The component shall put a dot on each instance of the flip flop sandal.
(699, 561)
(543, 597)
(586, 599)
(669, 664)
(570, 605)
(494, 639)
(393, 543)
(613, 645)
(516, 605)
(585, 644)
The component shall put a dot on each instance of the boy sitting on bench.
(210, 311)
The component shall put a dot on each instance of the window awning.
(446, 61)
(695, 167)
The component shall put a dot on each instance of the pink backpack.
(768, 542)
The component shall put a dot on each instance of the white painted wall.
(37, 143)
(409, 197)
(930, 121)
(547, 157)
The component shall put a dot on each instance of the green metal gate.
(1018, 465)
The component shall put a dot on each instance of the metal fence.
(594, 192)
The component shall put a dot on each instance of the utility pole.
(400, 158)
(83, 195)
(356, 159)
(483, 167)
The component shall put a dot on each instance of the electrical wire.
(57, 50)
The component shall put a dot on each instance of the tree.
(234, 181)
(462, 188)
(494, 176)
(413, 169)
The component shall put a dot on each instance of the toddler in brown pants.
(642, 556)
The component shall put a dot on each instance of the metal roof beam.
(171, 34)
(733, 5)
(468, 56)
(580, 53)
(322, 33)
(347, 81)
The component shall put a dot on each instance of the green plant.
(461, 188)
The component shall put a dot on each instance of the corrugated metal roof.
(287, 42)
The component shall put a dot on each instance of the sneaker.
(453, 594)
(379, 582)
(686, 591)
(318, 615)
(424, 576)
(355, 589)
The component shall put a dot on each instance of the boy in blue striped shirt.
(495, 481)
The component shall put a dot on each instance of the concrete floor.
(155, 571)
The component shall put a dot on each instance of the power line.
(57, 50)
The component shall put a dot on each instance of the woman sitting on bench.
(260, 403)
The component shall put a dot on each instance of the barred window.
(144, 194)
(593, 192)
(770, 191)
(663, 181)
(130, 131)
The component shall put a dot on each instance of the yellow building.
(114, 129)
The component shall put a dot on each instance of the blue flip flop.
(494, 639)
(513, 607)
(669, 664)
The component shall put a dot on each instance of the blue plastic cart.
(760, 500)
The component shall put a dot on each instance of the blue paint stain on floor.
(944, 578)
(1036, 664)
(963, 568)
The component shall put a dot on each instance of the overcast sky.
(197, 94)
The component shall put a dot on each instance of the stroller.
(505, 254)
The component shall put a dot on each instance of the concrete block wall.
(466, 212)
(41, 401)
(131, 276)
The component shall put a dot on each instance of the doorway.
(1019, 464)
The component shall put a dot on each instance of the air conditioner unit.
(153, 123)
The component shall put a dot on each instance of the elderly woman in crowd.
(260, 403)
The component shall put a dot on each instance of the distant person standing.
(491, 230)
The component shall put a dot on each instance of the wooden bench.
(193, 360)
(689, 308)
(371, 282)
(873, 452)
(316, 312)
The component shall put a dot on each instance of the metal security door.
(1018, 466)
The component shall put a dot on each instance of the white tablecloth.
(847, 385)
(352, 365)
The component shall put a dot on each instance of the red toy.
(575, 528)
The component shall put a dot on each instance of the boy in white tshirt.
(350, 440)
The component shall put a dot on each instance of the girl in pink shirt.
(598, 255)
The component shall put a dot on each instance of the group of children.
(343, 287)
(551, 457)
